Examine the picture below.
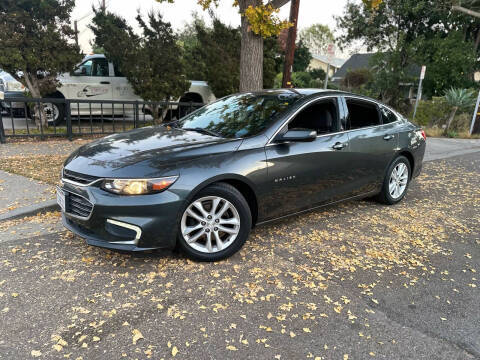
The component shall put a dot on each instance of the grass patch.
(45, 168)
(439, 132)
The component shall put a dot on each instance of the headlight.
(138, 186)
(14, 86)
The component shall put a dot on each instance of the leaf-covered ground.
(353, 281)
(44, 168)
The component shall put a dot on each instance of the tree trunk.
(39, 112)
(251, 56)
(450, 119)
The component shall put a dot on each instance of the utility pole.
(290, 49)
(76, 31)
(104, 7)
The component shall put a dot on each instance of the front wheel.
(215, 224)
(396, 181)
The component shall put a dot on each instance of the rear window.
(361, 114)
(387, 115)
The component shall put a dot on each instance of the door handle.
(388, 137)
(339, 146)
(105, 82)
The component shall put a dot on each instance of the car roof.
(94, 56)
(312, 92)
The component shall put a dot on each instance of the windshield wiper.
(203, 131)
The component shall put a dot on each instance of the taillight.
(422, 132)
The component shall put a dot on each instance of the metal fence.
(71, 118)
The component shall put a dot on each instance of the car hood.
(146, 152)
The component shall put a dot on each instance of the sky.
(180, 13)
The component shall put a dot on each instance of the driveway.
(354, 281)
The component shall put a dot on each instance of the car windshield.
(239, 116)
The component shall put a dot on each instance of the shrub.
(432, 112)
(357, 78)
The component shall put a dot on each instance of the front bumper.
(132, 223)
(7, 103)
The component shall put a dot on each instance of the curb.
(30, 210)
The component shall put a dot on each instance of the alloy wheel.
(398, 180)
(210, 224)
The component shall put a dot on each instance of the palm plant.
(458, 99)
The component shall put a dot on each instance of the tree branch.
(466, 11)
(278, 3)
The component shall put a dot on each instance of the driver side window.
(93, 67)
(84, 69)
(322, 117)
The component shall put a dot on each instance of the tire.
(55, 111)
(236, 220)
(392, 191)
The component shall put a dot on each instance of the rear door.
(372, 143)
(306, 174)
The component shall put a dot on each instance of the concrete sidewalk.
(20, 196)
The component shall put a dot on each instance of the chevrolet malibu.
(202, 182)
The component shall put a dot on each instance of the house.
(363, 61)
(355, 62)
(321, 62)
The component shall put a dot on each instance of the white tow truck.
(95, 78)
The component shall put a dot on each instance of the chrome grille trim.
(78, 206)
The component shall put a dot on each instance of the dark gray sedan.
(202, 182)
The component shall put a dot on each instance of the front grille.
(78, 178)
(78, 206)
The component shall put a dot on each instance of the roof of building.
(336, 62)
(362, 61)
(356, 61)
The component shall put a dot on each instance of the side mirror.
(296, 135)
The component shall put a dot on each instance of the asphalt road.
(353, 281)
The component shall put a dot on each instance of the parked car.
(11, 88)
(95, 78)
(202, 182)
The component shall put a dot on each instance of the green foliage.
(450, 62)
(432, 112)
(302, 79)
(302, 58)
(462, 99)
(272, 62)
(316, 38)
(357, 78)
(217, 53)
(152, 62)
(317, 74)
(452, 134)
(213, 54)
(387, 28)
(36, 38)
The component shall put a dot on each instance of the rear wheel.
(215, 224)
(55, 112)
(396, 181)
